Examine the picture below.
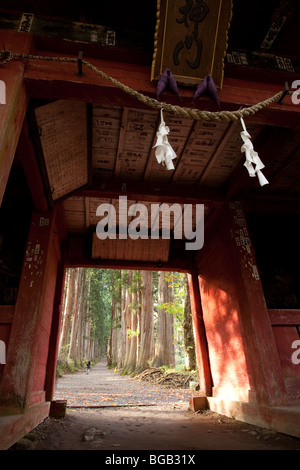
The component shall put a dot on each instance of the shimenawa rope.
(189, 113)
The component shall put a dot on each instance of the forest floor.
(111, 412)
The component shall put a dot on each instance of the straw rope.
(189, 113)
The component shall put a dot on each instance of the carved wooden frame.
(213, 51)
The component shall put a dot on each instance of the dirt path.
(104, 387)
(126, 414)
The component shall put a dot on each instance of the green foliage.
(65, 365)
(103, 292)
(132, 333)
(176, 308)
(104, 285)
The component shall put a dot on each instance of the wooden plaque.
(62, 127)
(191, 39)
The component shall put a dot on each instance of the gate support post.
(205, 378)
(14, 101)
(24, 375)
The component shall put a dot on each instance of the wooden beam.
(186, 149)
(174, 264)
(217, 152)
(27, 156)
(55, 331)
(259, 338)
(29, 337)
(6, 313)
(121, 140)
(12, 112)
(204, 371)
(151, 192)
(87, 211)
(92, 39)
(284, 316)
(80, 248)
(54, 80)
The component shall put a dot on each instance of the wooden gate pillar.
(23, 381)
(244, 360)
(13, 101)
(259, 337)
(55, 331)
(204, 372)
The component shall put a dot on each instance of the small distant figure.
(88, 366)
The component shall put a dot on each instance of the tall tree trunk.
(122, 344)
(67, 311)
(72, 350)
(127, 318)
(87, 321)
(82, 315)
(132, 357)
(165, 349)
(147, 324)
(114, 333)
(189, 342)
(133, 349)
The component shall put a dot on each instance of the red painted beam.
(261, 347)
(55, 332)
(27, 157)
(151, 192)
(47, 79)
(204, 371)
(55, 80)
(14, 103)
(284, 316)
(24, 374)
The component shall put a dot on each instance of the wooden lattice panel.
(81, 214)
(106, 129)
(74, 208)
(199, 150)
(229, 157)
(136, 141)
(128, 249)
(63, 135)
(124, 139)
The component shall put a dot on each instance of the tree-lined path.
(104, 387)
(122, 416)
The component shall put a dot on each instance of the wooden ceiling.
(93, 151)
(84, 143)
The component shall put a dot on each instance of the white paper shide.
(253, 163)
(163, 150)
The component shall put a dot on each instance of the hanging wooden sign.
(191, 39)
(62, 128)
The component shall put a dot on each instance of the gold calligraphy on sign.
(191, 39)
